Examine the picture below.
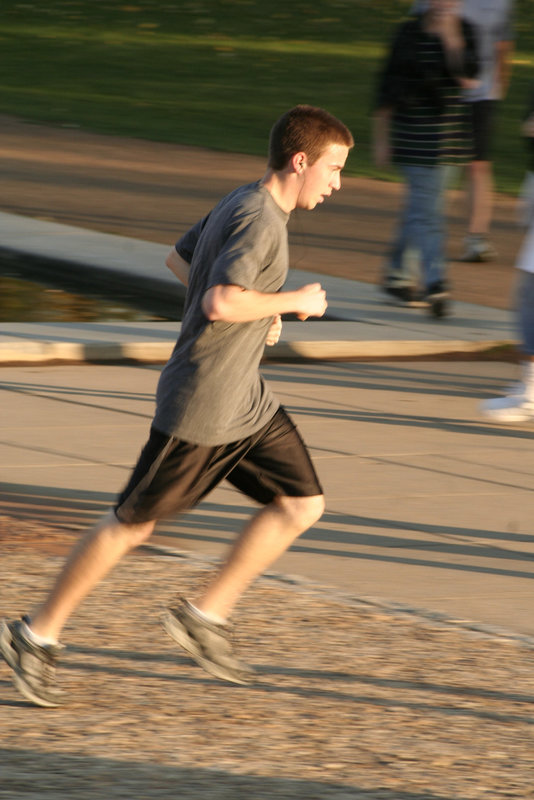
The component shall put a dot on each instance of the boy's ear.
(299, 162)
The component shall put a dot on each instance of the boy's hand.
(312, 301)
(273, 334)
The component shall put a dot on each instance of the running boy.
(215, 417)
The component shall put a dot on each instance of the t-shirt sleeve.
(185, 247)
(245, 254)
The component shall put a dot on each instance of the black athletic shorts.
(172, 475)
(483, 116)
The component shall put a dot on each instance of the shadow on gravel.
(461, 691)
(416, 696)
(30, 774)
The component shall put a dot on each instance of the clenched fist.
(312, 301)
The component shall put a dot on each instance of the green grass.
(216, 73)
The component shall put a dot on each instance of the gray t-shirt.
(210, 391)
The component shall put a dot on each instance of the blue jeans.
(421, 235)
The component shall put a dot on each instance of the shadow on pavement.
(219, 522)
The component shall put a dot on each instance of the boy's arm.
(230, 303)
(178, 266)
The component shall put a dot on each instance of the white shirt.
(492, 20)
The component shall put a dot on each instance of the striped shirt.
(430, 123)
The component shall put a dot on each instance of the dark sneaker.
(406, 296)
(206, 642)
(437, 298)
(34, 667)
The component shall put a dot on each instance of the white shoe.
(515, 389)
(509, 409)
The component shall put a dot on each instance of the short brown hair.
(305, 129)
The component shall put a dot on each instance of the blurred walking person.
(421, 125)
(493, 24)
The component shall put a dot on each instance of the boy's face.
(323, 177)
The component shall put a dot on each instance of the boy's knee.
(134, 534)
(304, 511)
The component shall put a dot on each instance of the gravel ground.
(352, 700)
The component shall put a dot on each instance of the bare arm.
(178, 266)
(231, 303)
(381, 134)
(448, 27)
(504, 66)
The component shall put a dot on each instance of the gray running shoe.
(478, 248)
(206, 642)
(34, 667)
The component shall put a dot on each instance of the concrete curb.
(386, 349)
(360, 325)
(46, 351)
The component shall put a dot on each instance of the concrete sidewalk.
(429, 507)
(359, 325)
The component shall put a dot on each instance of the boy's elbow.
(213, 305)
(222, 303)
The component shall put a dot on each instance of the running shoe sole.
(180, 634)
(9, 653)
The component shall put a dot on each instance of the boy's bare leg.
(90, 560)
(268, 534)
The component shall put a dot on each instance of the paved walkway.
(427, 505)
